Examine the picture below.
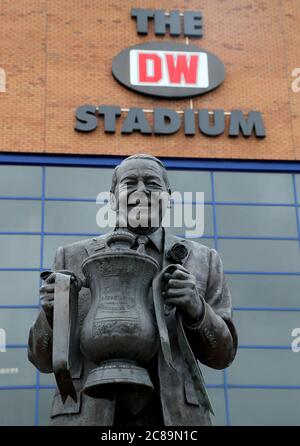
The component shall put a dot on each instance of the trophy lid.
(120, 239)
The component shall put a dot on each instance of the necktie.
(142, 241)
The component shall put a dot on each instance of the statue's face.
(141, 195)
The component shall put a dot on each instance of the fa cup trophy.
(124, 326)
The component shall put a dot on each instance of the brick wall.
(57, 55)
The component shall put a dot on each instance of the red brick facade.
(57, 55)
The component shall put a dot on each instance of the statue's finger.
(175, 283)
(47, 289)
(176, 302)
(179, 274)
(179, 292)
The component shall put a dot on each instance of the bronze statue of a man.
(196, 313)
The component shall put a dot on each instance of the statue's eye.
(153, 183)
(130, 182)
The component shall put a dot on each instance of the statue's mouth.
(138, 206)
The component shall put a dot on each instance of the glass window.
(192, 224)
(265, 367)
(216, 397)
(20, 181)
(297, 180)
(259, 221)
(52, 242)
(77, 182)
(19, 287)
(209, 242)
(19, 251)
(20, 216)
(252, 366)
(252, 187)
(190, 181)
(266, 327)
(264, 291)
(260, 255)
(211, 376)
(47, 379)
(264, 407)
(17, 407)
(71, 217)
(16, 323)
(15, 369)
(45, 405)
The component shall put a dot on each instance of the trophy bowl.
(119, 334)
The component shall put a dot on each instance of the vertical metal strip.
(215, 226)
(37, 389)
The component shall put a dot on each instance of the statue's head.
(140, 193)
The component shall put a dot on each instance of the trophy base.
(120, 379)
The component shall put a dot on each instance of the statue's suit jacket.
(213, 341)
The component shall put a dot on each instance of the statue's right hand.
(47, 297)
(47, 291)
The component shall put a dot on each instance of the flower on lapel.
(177, 253)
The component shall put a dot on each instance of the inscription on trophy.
(116, 327)
(116, 299)
(108, 269)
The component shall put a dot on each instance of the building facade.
(56, 57)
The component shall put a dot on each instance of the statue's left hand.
(181, 292)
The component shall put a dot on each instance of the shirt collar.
(157, 239)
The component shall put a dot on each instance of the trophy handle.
(160, 315)
(66, 353)
(193, 366)
(184, 345)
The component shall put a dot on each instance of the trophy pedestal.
(120, 379)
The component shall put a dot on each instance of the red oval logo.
(169, 70)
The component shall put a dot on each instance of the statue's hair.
(144, 156)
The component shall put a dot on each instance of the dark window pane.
(264, 407)
(211, 376)
(73, 217)
(20, 181)
(190, 181)
(20, 216)
(17, 407)
(259, 221)
(47, 379)
(297, 178)
(265, 367)
(45, 405)
(51, 243)
(264, 291)
(191, 226)
(266, 327)
(16, 323)
(209, 242)
(260, 255)
(77, 182)
(19, 287)
(15, 369)
(218, 403)
(254, 187)
(19, 251)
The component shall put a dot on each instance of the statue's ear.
(113, 201)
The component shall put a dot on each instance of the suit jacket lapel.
(96, 244)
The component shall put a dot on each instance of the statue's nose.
(141, 187)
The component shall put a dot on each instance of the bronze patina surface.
(128, 318)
